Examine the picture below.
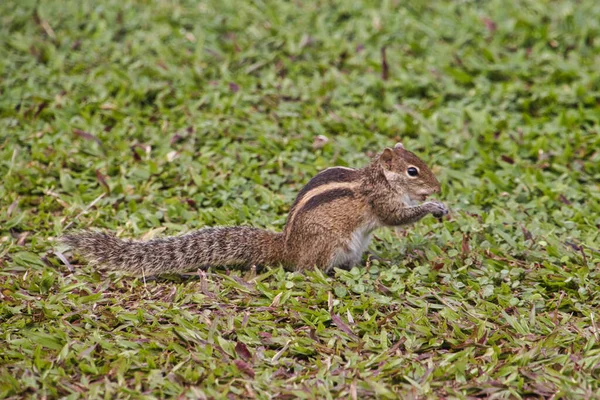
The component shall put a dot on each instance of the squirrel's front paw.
(437, 209)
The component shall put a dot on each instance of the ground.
(152, 118)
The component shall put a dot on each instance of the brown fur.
(328, 226)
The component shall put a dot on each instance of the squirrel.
(329, 225)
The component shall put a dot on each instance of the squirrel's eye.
(412, 171)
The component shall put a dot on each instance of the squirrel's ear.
(386, 158)
(399, 146)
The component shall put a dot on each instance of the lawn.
(151, 118)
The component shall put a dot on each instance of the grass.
(159, 117)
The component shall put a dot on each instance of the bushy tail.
(236, 245)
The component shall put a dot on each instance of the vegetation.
(158, 117)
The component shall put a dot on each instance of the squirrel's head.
(407, 174)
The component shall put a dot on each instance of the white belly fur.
(356, 245)
(410, 202)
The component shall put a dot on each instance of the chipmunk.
(328, 226)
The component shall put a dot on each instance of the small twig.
(557, 307)
(397, 345)
(343, 326)
(385, 69)
(584, 256)
(387, 318)
(144, 280)
(12, 161)
(60, 201)
(280, 352)
(590, 248)
(11, 208)
(594, 327)
(62, 258)
(43, 23)
(580, 246)
(85, 210)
